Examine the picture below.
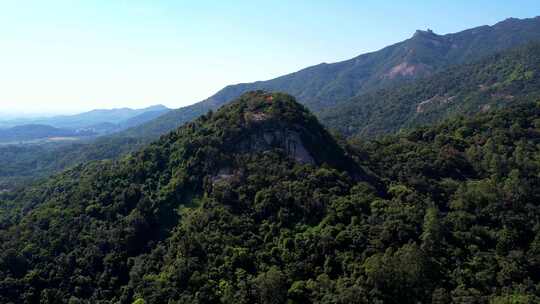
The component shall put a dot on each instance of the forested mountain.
(325, 85)
(257, 203)
(494, 82)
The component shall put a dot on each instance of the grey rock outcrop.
(288, 140)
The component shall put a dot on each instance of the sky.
(61, 56)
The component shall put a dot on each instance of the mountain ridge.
(328, 84)
(496, 81)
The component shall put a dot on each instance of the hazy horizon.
(62, 57)
(32, 115)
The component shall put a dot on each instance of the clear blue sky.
(69, 55)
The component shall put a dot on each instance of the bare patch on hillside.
(406, 69)
(433, 101)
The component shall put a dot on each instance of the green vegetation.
(22, 165)
(223, 210)
(258, 203)
(494, 82)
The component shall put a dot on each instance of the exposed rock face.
(224, 174)
(406, 69)
(260, 123)
(485, 108)
(256, 116)
(286, 139)
(433, 102)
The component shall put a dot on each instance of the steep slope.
(224, 210)
(324, 85)
(497, 81)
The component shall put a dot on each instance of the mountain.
(497, 81)
(441, 53)
(324, 85)
(257, 203)
(36, 132)
(103, 121)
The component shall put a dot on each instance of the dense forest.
(258, 203)
(493, 82)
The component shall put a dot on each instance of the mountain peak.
(157, 107)
(259, 106)
(427, 33)
(260, 122)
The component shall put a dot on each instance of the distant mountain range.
(90, 118)
(92, 123)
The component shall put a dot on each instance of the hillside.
(324, 85)
(494, 82)
(257, 203)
